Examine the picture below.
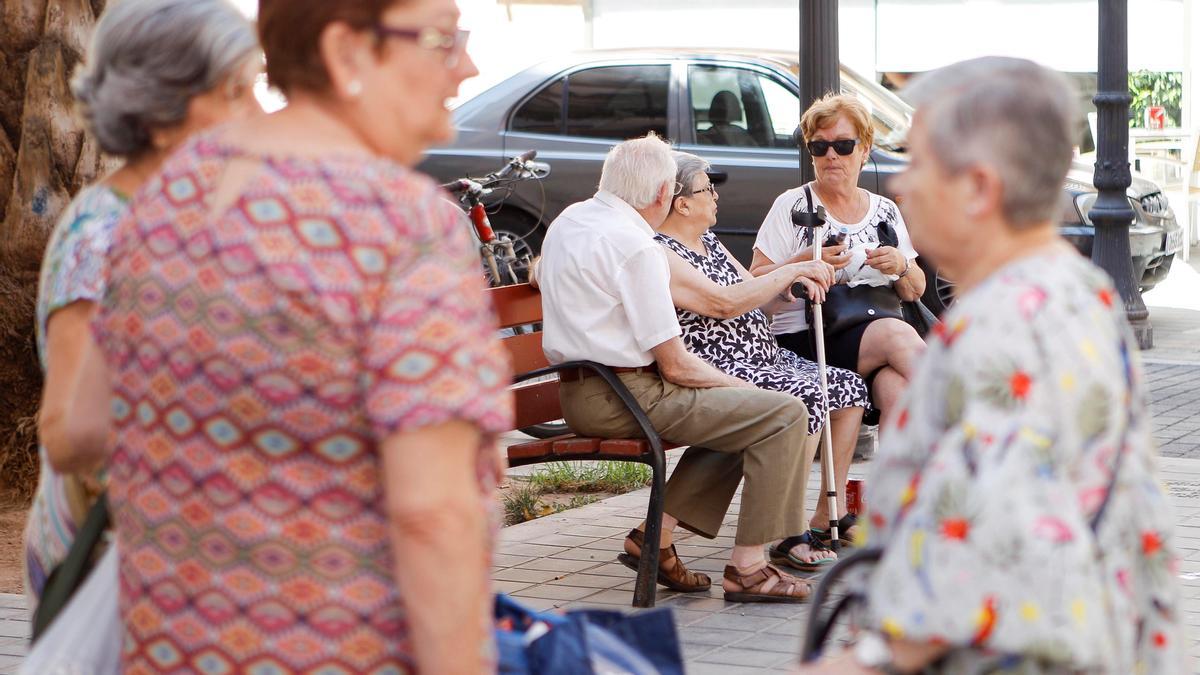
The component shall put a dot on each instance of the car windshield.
(890, 114)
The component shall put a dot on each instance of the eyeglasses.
(452, 44)
(710, 188)
(842, 147)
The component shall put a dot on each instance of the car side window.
(741, 108)
(543, 112)
(618, 102)
(783, 110)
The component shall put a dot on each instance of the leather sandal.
(766, 584)
(781, 553)
(671, 572)
(844, 537)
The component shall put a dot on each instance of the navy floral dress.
(744, 346)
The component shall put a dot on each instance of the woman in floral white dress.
(1014, 495)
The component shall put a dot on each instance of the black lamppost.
(819, 61)
(1111, 213)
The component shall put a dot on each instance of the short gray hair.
(148, 58)
(635, 170)
(1011, 114)
(687, 167)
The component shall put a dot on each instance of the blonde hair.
(824, 112)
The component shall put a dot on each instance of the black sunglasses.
(843, 147)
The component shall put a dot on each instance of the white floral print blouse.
(993, 473)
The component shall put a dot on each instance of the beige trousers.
(734, 433)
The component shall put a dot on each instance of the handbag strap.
(69, 575)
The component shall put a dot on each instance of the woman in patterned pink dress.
(304, 382)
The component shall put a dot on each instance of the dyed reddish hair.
(290, 31)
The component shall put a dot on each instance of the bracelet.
(907, 265)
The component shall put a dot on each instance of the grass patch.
(615, 477)
(558, 486)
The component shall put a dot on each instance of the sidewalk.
(568, 560)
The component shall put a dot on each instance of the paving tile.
(510, 587)
(549, 592)
(586, 581)
(586, 554)
(531, 550)
(561, 539)
(507, 560)
(718, 637)
(524, 574)
(560, 565)
(707, 668)
(736, 620)
(735, 656)
(770, 642)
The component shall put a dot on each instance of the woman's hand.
(837, 256)
(815, 291)
(818, 271)
(887, 259)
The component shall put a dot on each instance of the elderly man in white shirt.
(606, 298)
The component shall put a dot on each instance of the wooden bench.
(537, 402)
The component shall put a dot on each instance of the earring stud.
(354, 89)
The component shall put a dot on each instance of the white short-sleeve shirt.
(779, 239)
(606, 286)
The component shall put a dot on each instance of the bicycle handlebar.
(520, 162)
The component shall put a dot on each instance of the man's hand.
(887, 259)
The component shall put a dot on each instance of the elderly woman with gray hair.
(724, 312)
(157, 71)
(1014, 499)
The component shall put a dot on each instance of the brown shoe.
(766, 584)
(671, 572)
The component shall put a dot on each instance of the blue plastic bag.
(589, 642)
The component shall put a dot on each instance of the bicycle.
(505, 260)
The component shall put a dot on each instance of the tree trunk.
(44, 160)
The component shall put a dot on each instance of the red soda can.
(854, 496)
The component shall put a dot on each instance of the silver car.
(738, 109)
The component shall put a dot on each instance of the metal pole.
(1111, 213)
(819, 61)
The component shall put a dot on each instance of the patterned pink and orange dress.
(260, 351)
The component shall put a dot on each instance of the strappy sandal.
(671, 572)
(781, 553)
(766, 584)
(844, 537)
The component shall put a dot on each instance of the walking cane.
(814, 222)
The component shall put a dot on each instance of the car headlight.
(1084, 203)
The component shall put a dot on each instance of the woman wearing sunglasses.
(838, 132)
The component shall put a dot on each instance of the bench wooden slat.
(536, 402)
(525, 351)
(516, 305)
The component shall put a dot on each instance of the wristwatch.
(873, 651)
